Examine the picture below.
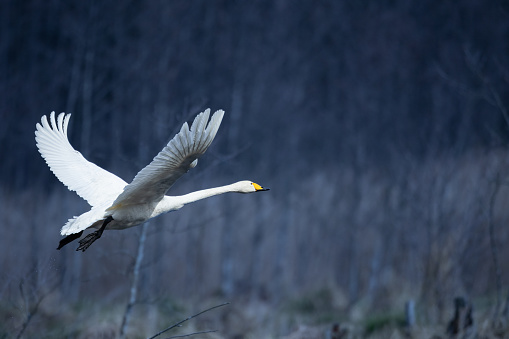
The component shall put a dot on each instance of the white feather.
(144, 198)
(153, 181)
(94, 184)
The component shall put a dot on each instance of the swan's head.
(247, 186)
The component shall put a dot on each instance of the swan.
(115, 204)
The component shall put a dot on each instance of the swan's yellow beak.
(259, 188)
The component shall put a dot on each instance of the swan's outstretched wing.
(90, 181)
(180, 155)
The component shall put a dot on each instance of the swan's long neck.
(206, 193)
(172, 203)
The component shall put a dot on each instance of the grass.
(381, 321)
(315, 309)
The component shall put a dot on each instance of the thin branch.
(493, 246)
(34, 308)
(473, 61)
(188, 318)
(499, 103)
(190, 334)
(505, 311)
(458, 86)
(134, 285)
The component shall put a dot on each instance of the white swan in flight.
(116, 204)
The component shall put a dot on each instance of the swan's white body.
(126, 205)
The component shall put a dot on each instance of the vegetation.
(381, 128)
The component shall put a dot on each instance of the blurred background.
(381, 128)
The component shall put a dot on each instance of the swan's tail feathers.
(80, 223)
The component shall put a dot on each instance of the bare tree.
(135, 280)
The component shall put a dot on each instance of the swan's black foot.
(68, 239)
(89, 239)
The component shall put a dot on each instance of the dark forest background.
(381, 128)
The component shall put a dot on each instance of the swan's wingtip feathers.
(199, 136)
(66, 123)
(55, 123)
(220, 112)
(91, 182)
(217, 117)
(213, 126)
